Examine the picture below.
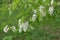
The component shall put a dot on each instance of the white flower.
(13, 28)
(52, 1)
(20, 28)
(43, 13)
(25, 26)
(34, 10)
(51, 9)
(20, 25)
(6, 29)
(19, 21)
(34, 17)
(41, 9)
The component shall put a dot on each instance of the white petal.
(51, 9)
(13, 28)
(41, 7)
(34, 10)
(19, 21)
(52, 1)
(34, 17)
(20, 28)
(6, 29)
(20, 25)
(25, 27)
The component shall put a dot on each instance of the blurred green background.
(47, 29)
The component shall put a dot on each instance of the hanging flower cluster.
(41, 9)
(22, 27)
(51, 8)
(6, 28)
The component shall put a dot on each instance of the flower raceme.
(41, 9)
(51, 10)
(6, 28)
(22, 27)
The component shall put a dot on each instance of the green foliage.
(47, 29)
(7, 38)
